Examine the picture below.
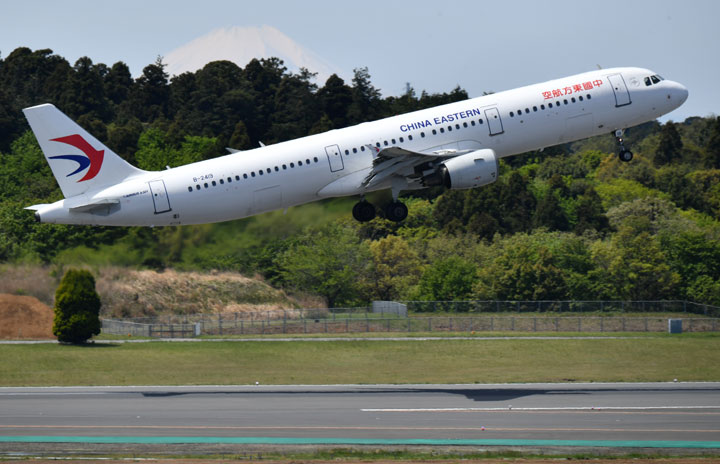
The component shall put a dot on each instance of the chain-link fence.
(464, 316)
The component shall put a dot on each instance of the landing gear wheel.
(625, 155)
(396, 211)
(363, 211)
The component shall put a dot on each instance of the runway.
(664, 415)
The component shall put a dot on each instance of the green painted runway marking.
(359, 441)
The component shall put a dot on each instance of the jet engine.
(470, 170)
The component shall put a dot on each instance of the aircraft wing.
(398, 161)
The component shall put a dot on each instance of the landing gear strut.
(363, 211)
(624, 154)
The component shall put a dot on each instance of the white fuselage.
(334, 163)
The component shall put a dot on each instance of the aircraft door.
(334, 158)
(492, 115)
(159, 196)
(622, 96)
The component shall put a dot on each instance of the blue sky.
(434, 45)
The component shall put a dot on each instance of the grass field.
(686, 357)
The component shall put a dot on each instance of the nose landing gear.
(624, 154)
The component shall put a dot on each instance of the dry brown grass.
(140, 293)
(24, 317)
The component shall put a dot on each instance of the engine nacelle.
(471, 170)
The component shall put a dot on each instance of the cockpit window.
(655, 79)
(647, 81)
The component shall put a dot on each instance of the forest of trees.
(570, 222)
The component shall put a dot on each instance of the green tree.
(77, 307)
(396, 268)
(670, 146)
(330, 261)
(448, 279)
(712, 149)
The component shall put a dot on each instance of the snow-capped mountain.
(242, 44)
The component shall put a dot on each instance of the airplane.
(457, 145)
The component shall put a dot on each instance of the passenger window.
(434, 132)
(542, 107)
(480, 121)
(214, 184)
(465, 125)
(362, 148)
(589, 96)
(512, 114)
(442, 131)
(402, 140)
(307, 161)
(566, 102)
(580, 98)
(457, 126)
(393, 141)
(284, 167)
(244, 176)
(206, 185)
(527, 111)
(535, 108)
(197, 187)
(189, 189)
(472, 123)
(222, 181)
(378, 144)
(277, 169)
(572, 99)
(385, 142)
(299, 163)
(354, 151)
(237, 177)
(315, 159)
(260, 172)
(422, 134)
(449, 128)
(410, 137)
(550, 105)
(292, 165)
(347, 152)
(647, 81)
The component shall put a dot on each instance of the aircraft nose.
(678, 93)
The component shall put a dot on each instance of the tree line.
(570, 222)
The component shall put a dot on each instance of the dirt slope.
(23, 317)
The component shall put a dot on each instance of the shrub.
(77, 307)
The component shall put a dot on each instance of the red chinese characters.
(575, 88)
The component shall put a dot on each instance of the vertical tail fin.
(79, 162)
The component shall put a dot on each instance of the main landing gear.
(624, 154)
(364, 211)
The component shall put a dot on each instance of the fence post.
(623, 324)
(512, 323)
(557, 325)
(367, 324)
(388, 325)
(492, 324)
(646, 324)
(262, 327)
(219, 324)
(602, 325)
(305, 325)
(579, 324)
(534, 324)
(326, 328)
(408, 323)
(347, 324)
(429, 324)
(450, 323)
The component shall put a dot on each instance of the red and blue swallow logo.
(93, 158)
